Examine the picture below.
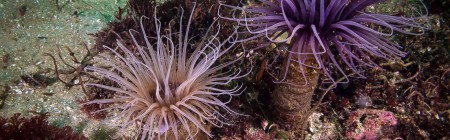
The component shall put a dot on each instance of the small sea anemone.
(169, 85)
(340, 29)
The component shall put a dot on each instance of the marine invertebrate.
(170, 84)
(335, 28)
(325, 35)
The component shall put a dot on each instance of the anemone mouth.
(167, 87)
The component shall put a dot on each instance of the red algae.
(36, 128)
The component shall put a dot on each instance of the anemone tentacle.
(315, 27)
(166, 87)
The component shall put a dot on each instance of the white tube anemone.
(168, 88)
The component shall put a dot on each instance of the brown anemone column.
(292, 103)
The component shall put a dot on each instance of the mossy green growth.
(80, 127)
(102, 133)
(59, 122)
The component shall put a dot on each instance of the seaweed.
(76, 70)
(3, 94)
(34, 128)
(205, 13)
(95, 93)
(415, 89)
(38, 80)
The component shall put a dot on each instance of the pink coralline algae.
(369, 124)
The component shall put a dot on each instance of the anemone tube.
(166, 90)
(321, 35)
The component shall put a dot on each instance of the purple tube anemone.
(341, 30)
(171, 85)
